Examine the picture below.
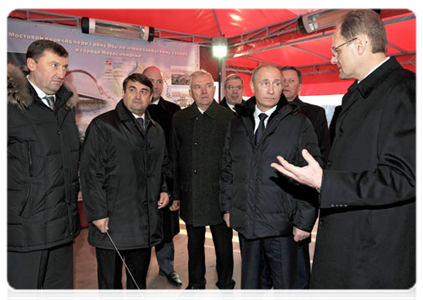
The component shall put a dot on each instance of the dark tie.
(141, 121)
(261, 127)
(50, 101)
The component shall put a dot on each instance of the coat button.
(195, 171)
(195, 143)
(58, 133)
(321, 222)
(145, 203)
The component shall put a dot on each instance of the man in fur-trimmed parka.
(43, 154)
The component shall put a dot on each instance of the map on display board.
(99, 64)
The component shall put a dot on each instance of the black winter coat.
(162, 113)
(123, 172)
(261, 201)
(197, 149)
(367, 229)
(317, 117)
(42, 163)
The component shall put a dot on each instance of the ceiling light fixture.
(109, 28)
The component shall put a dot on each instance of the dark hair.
(287, 68)
(137, 77)
(37, 48)
(366, 22)
(233, 76)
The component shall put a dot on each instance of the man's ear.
(361, 44)
(252, 86)
(30, 62)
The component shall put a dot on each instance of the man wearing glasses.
(367, 230)
(234, 90)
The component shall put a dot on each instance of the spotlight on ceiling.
(220, 47)
(321, 19)
(109, 28)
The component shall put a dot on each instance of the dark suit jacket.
(224, 103)
(317, 116)
(197, 148)
(162, 113)
(332, 125)
(367, 230)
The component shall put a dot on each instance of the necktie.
(261, 127)
(50, 101)
(141, 121)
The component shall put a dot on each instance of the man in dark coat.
(162, 112)
(266, 209)
(198, 136)
(234, 90)
(367, 230)
(293, 81)
(124, 168)
(42, 162)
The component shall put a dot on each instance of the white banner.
(99, 64)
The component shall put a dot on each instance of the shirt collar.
(269, 112)
(39, 92)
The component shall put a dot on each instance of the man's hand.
(310, 175)
(102, 224)
(164, 200)
(299, 234)
(226, 218)
(175, 205)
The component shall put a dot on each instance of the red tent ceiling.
(311, 53)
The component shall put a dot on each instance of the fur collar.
(247, 108)
(19, 94)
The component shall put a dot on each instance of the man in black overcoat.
(162, 112)
(367, 230)
(124, 171)
(42, 165)
(198, 135)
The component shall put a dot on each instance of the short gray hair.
(199, 73)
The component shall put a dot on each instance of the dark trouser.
(47, 269)
(303, 266)
(281, 255)
(109, 269)
(303, 280)
(222, 239)
(165, 253)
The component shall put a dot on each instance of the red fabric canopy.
(310, 53)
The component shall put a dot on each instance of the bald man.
(162, 112)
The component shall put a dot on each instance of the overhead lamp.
(321, 19)
(220, 46)
(109, 28)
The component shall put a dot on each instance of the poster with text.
(99, 64)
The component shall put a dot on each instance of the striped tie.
(50, 101)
